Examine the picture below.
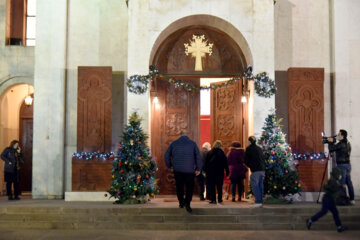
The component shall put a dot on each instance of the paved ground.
(175, 235)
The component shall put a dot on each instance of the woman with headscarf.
(237, 169)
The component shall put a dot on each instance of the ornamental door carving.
(227, 115)
(306, 109)
(177, 110)
(94, 109)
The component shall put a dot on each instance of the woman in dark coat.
(215, 164)
(237, 169)
(12, 158)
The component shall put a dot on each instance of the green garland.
(264, 86)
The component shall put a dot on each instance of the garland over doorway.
(264, 86)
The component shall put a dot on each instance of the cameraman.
(343, 150)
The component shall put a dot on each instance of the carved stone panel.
(177, 110)
(94, 109)
(306, 109)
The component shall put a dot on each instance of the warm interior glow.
(156, 99)
(28, 100)
(243, 99)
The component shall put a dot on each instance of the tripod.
(323, 177)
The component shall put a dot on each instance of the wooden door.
(229, 118)
(228, 121)
(26, 144)
(177, 110)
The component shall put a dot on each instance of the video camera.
(325, 140)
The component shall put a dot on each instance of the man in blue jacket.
(183, 156)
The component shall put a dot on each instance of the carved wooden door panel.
(177, 110)
(26, 144)
(306, 109)
(227, 121)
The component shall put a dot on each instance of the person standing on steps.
(332, 189)
(237, 169)
(215, 165)
(183, 156)
(12, 158)
(343, 151)
(255, 160)
(201, 177)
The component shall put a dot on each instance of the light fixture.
(156, 99)
(28, 100)
(243, 99)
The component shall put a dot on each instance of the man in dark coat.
(332, 189)
(255, 160)
(183, 156)
(12, 158)
(343, 151)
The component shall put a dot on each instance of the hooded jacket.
(332, 187)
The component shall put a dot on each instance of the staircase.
(140, 217)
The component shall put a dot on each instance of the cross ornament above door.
(198, 48)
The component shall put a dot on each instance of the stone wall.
(71, 34)
(346, 68)
(253, 19)
(302, 39)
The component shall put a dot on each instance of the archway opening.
(177, 110)
(16, 123)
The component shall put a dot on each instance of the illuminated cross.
(198, 47)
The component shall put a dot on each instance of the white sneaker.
(352, 202)
(257, 205)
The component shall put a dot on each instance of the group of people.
(210, 165)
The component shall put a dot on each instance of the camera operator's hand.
(330, 139)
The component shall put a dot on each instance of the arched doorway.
(13, 113)
(179, 110)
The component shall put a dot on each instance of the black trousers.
(328, 204)
(201, 182)
(12, 179)
(240, 183)
(215, 182)
(184, 180)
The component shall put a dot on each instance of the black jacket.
(332, 187)
(254, 158)
(12, 159)
(342, 149)
(216, 163)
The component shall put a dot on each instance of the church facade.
(310, 48)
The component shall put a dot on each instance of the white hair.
(206, 145)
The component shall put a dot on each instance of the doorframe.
(24, 116)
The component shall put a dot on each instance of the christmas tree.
(281, 178)
(133, 170)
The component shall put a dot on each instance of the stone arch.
(203, 20)
(15, 80)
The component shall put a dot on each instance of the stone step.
(168, 218)
(173, 211)
(172, 226)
